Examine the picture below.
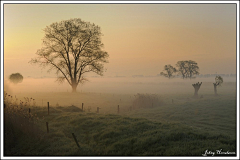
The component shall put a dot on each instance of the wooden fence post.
(75, 140)
(48, 108)
(47, 127)
(82, 106)
(98, 109)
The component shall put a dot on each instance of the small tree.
(218, 82)
(72, 48)
(196, 87)
(16, 78)
(168, 71)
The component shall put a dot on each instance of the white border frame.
(118, 2)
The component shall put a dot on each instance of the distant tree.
(196, 87)
(192, 68)
(182, 69)
(168, 71)
(218, 82)
(72, 48)
(187, 69)
(16, 78)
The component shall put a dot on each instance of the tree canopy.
(218, 80)
(187, 69)
(72, 48)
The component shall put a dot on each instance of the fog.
(118, 85)
(107, 92)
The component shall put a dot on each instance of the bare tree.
(218, 82)
(169, 71)
(72, 48)
(196, 87)
(187, 69)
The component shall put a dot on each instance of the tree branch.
(50, 62)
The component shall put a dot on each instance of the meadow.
(153, 120)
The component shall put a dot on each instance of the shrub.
(146, 101)
(16, 78)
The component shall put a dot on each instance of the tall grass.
(19, 122)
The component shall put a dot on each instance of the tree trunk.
(74, 87)
(215, 89)
(196, 88)
(196, 93)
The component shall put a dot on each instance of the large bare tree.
(72, 48)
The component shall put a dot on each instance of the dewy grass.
(118, 135)
(185, 127)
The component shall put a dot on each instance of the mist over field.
(47, 89)
(120, 85)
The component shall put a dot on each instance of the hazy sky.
(140, 38)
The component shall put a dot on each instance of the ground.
(177, 125)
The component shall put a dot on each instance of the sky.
(139, 38)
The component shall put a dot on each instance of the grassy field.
(174, 125)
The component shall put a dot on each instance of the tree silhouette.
(192, 68)
(72, 48)
(16, 78)
(187, 69)
(196, 87)
(181, 68)
(218, 82)
(169, 71)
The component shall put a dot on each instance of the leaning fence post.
(47, 127)
(75, 140)
(48, 108)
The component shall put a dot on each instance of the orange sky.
(139, 38)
